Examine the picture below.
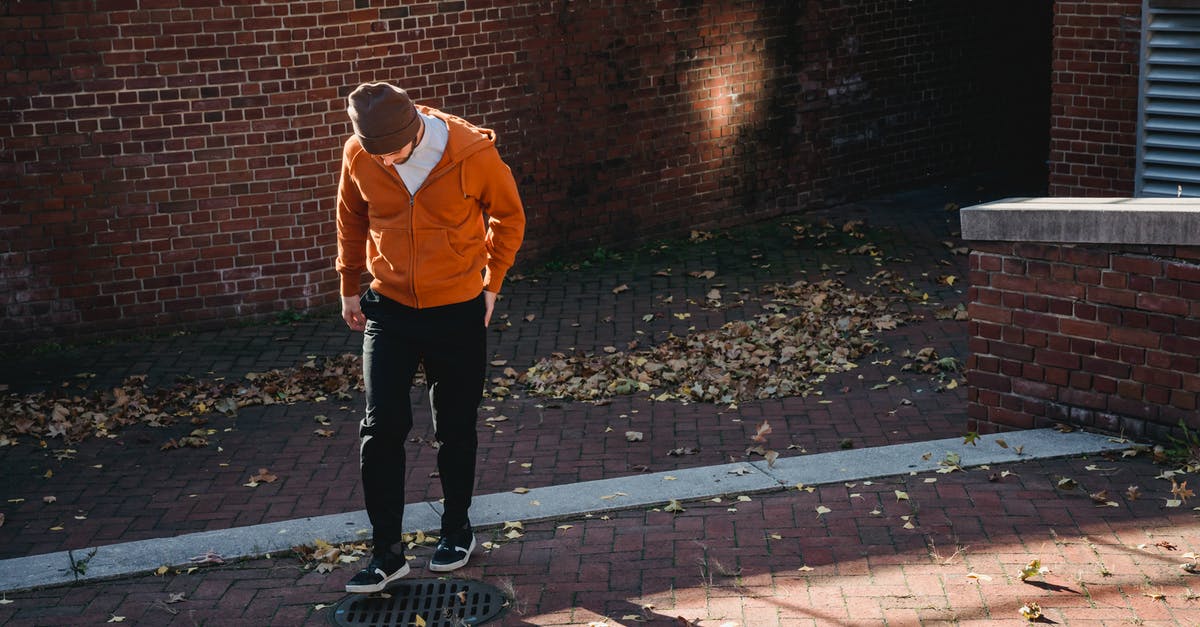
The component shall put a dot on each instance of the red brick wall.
(173, 163)
(1094, 108)
(1100, 336)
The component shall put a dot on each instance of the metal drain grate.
(439, 603)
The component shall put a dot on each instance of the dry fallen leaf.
(209, 557)
(1033, 569)
(1101, 498)
(763, 430)
(1031, 611)
(821, 509)
(263, 476)
(1181, 491)
(633, 436)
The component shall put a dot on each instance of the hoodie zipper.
(412, 224)
(412, 212)
(412, 244)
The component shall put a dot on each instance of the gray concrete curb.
(1163, 221)
(553, 502)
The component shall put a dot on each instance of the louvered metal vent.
(436, 602)
(1169, 139)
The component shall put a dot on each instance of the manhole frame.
(431, 604)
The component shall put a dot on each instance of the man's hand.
(352, 313)
(489, 303)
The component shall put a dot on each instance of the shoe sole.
(445, 568)
(378, 587)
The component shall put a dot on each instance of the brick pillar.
(1068, 327)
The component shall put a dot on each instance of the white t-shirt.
(425, 155)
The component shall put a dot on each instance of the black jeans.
(451, 343)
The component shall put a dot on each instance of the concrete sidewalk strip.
(881, 461)
(619, 493)
(560, 501)
(140, 556)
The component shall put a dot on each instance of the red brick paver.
(773, 561)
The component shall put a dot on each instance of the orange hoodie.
(456, 236)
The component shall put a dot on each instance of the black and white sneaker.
(453, 551)
(382, 570)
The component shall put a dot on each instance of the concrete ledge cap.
(1166, 221)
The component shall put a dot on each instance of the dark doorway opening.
(1014, 83)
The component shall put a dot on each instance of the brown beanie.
(384, 119)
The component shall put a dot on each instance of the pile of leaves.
(75, 414)
(806, 330)
(323, 557)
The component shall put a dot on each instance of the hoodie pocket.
(439, 262)
(389, 258)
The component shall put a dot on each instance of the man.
(427, 207)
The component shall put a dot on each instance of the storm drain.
(437, 602)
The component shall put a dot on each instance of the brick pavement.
(771, 560)
(126, 488)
